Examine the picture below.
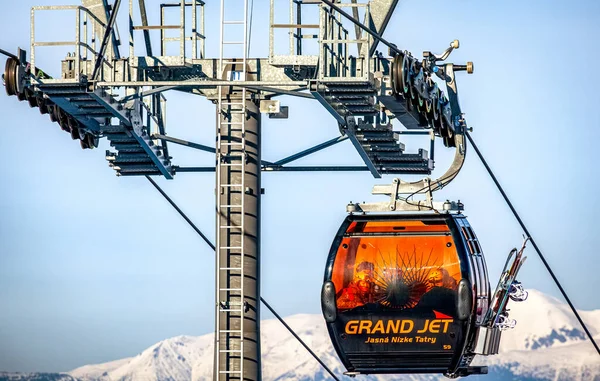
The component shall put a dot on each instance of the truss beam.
(380, 12)
(204, 83)
(375, 35)
(311, 150)
(275, 168)
(185, 143)
(101, 10)
(105, 39)
(144, 18)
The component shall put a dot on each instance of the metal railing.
(196, 37)
(335, 59)
(295, 28)
(88, 29)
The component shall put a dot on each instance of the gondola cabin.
(404, 293)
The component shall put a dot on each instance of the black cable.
(107, 34)
(439, 185)
(181, 213)
(361, 26)
(298, 338)
(9, 54)
(261, 298)
(510, 205)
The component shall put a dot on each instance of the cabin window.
(395, 265)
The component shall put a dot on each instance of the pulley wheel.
(447, 125)
(430, 88)
(74, 127)
(31, 98)
(423, 117)
(84, 144)
(437, 118)
(443, 123)
(10, 76)
(446, 132)
(92, 141)
(414, 94)
(88, 141)
(63, 120)
(43, 105)
(410, 103)
(75, 133)
(447, 142)
(54, 113)
(420, 102)
(435, 104)
(405, 73)
(444, 116)
(397, 85)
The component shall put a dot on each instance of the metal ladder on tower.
(231, 300)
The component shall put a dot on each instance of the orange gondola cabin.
(403, 293)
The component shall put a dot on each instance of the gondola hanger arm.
(398, 203)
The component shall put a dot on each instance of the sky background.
(95, 268)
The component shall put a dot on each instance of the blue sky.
(95, 268)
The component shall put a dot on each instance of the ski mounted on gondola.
(508, 286)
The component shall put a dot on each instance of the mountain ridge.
(546, 334)
(547, 344)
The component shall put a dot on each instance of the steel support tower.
(336, 58)
(237, 317)
(237, 332)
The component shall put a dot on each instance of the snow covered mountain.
(6, 376)
(544, 322)
(546, 345)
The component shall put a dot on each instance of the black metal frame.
(108, 33)
(458, 363)
(267, 166)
